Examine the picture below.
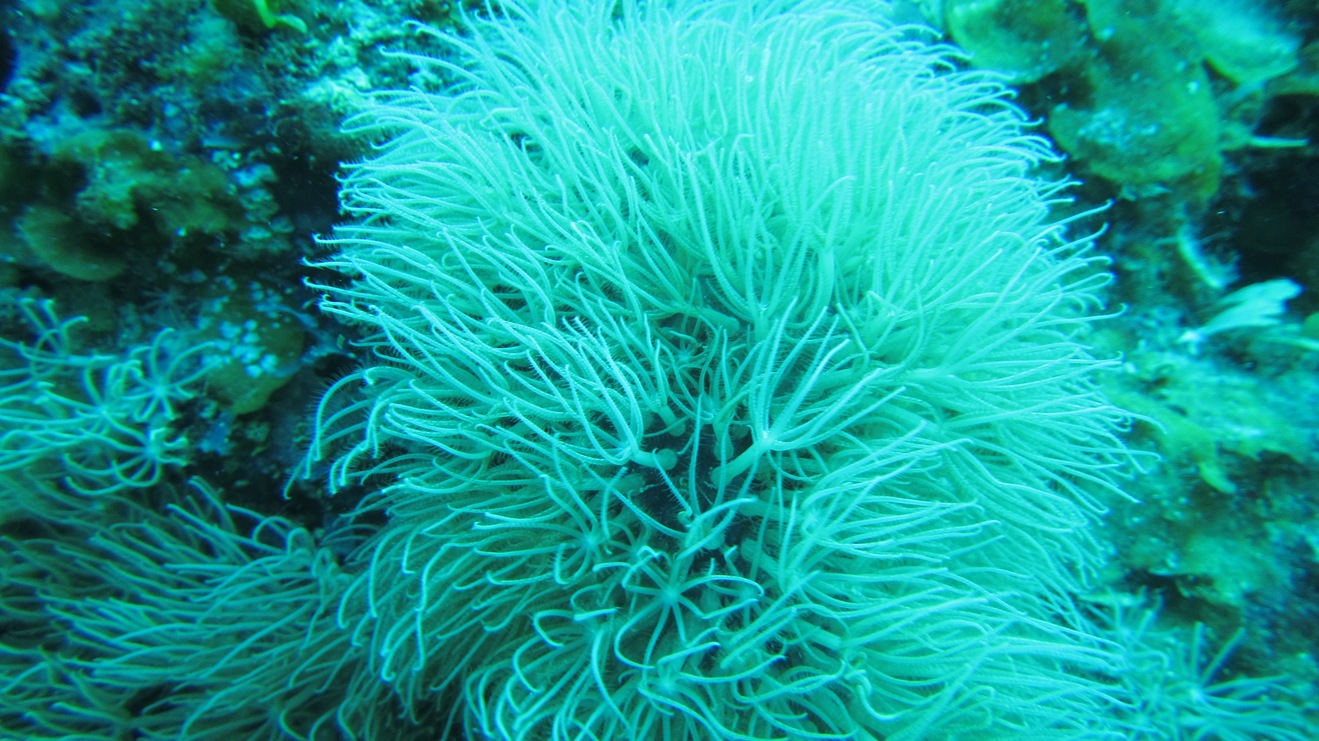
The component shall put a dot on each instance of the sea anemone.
(725, 380)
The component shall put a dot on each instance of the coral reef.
(660, 379)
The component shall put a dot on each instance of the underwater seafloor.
(173, 565)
